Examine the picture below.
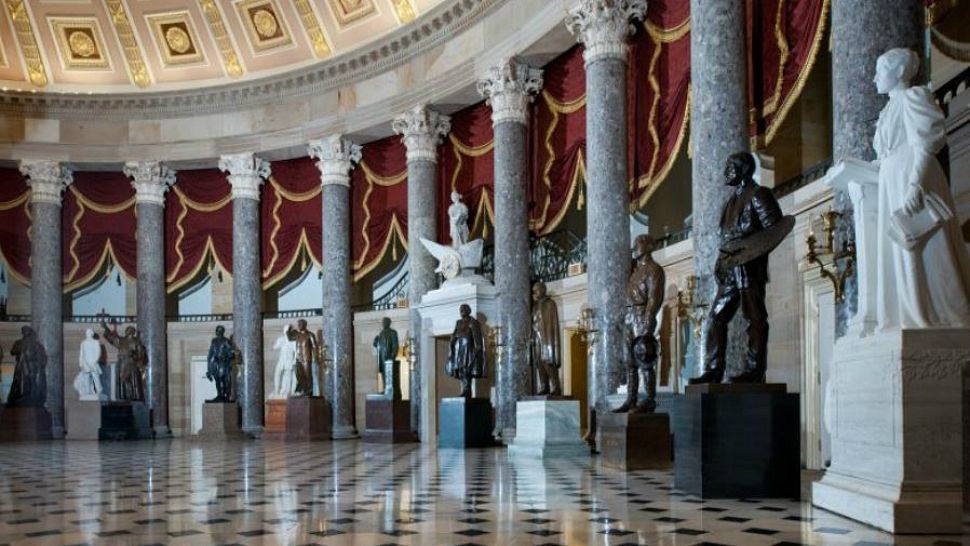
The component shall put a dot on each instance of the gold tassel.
(581, 199)
(303, 264)
(393, 247)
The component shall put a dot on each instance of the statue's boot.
(632, 386)
(755, 375)
(709, 376)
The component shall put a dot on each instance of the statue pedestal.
(737, 441)
(635, 441)
(220, 421)
(465, 422)
(275, 416)
(548, 427)
(125, 421)
(387, 421)
(896, 424)
(24, 424)
(307, 419)
(83, 419)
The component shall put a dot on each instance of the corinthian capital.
(150, 179)
(337, 156)
(422, 129)
(603, 26)
(509, 88)
(47, 180)
(246, 174)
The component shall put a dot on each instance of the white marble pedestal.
(896, 426)
(548, 428)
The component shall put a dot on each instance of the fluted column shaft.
(604, 26)
(151, 180)
(336, 157)
(246, 173)
(422, 130)
(47, 181)
(509, 87)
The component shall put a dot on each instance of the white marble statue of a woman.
(284, 376)
(458, 216)
(922, 281)
(87, 383)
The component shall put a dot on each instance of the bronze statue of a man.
(221, 356)
(387, 346)
(546, 341)
(466, 351)
(132, 362)
(644, 293)
(752, 225)
(306, 348)
(29, 387)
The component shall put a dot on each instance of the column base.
(636, 441)
(344, 433)
(253, 433)
(550, 428)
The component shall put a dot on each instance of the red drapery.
(291, 219)
(98, 224)
(467, 165)
(15, 224)
(378, 204)
(198, 225)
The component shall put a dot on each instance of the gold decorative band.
(129, 44)
(229, 58)
(404, 10)
(320, 46)
(28, 44)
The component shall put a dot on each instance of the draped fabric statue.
(132, 362)
(29, 387)
(306, 348)
(386, 345)
(458, 216)
(219, 371)
(466, 351)
(546, 341)
(284, 376)
(923, 271)
(88, 383)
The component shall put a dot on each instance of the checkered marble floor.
(261, 493)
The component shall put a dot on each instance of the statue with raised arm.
(458, 217)
(29, 387)
(88, 382)
(466, 351)
(644, 295)
(284, 376)
(306, 350)
(546, 341)
(220, 360)
(132, 362)
(386, 346)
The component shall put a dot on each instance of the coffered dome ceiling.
(125, 46)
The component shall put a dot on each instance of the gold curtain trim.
(13, 273)
(579, 173)
(201, 207)
(16, 201)
(557, 108)
(386, 181)
(86, 202)
(668, 35)
(652, 183)
(106, 252)
(564, 107)
(296, 197)
(461, 149)
(208, 251)
(471, 151)
(302, 246)
(395, 231)
(784, 54)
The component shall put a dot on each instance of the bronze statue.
(546, 344)
(644, 293)
(29, 387)
(132, 362)
(466, 351)
(306, 348)
(752, 225)
(386, 344)
(221, 356)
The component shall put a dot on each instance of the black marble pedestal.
(387, 421)
(307, 419)
(465, 422)
(737, 441)
(24, 424)
(125, 421)
(635, 441)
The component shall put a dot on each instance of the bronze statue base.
(387, 421)
(24, 424)
(635, 441)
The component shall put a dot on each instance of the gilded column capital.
(150, 179)
(508, 88)
(47, 179)
(604, 26)
(246, 173)
(422, 130)
(337, 156)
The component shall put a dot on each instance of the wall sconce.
(827, 257)
(497, 341)
(688, 308)
(411, 354)
(586, 325)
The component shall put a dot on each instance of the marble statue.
(132, 363)
(922, 269)
(284, 376)
(466, 351)
(458, 216)
(220, 360)
(386, 346)
(546, 341)
(306, 348)
(29, 387)
(752, 225)
(88, 382)
(644, 293)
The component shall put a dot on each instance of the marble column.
(47, 181)
(861, 32)
(604, 26)
(336, 158)
(509, 88)
(422, 130)
(246, 173)
(151, 180)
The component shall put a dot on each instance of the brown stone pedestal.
(307, 418)
(220, 421)
(635, 441)
(387, 421)
(275, 416)
(24, 424)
